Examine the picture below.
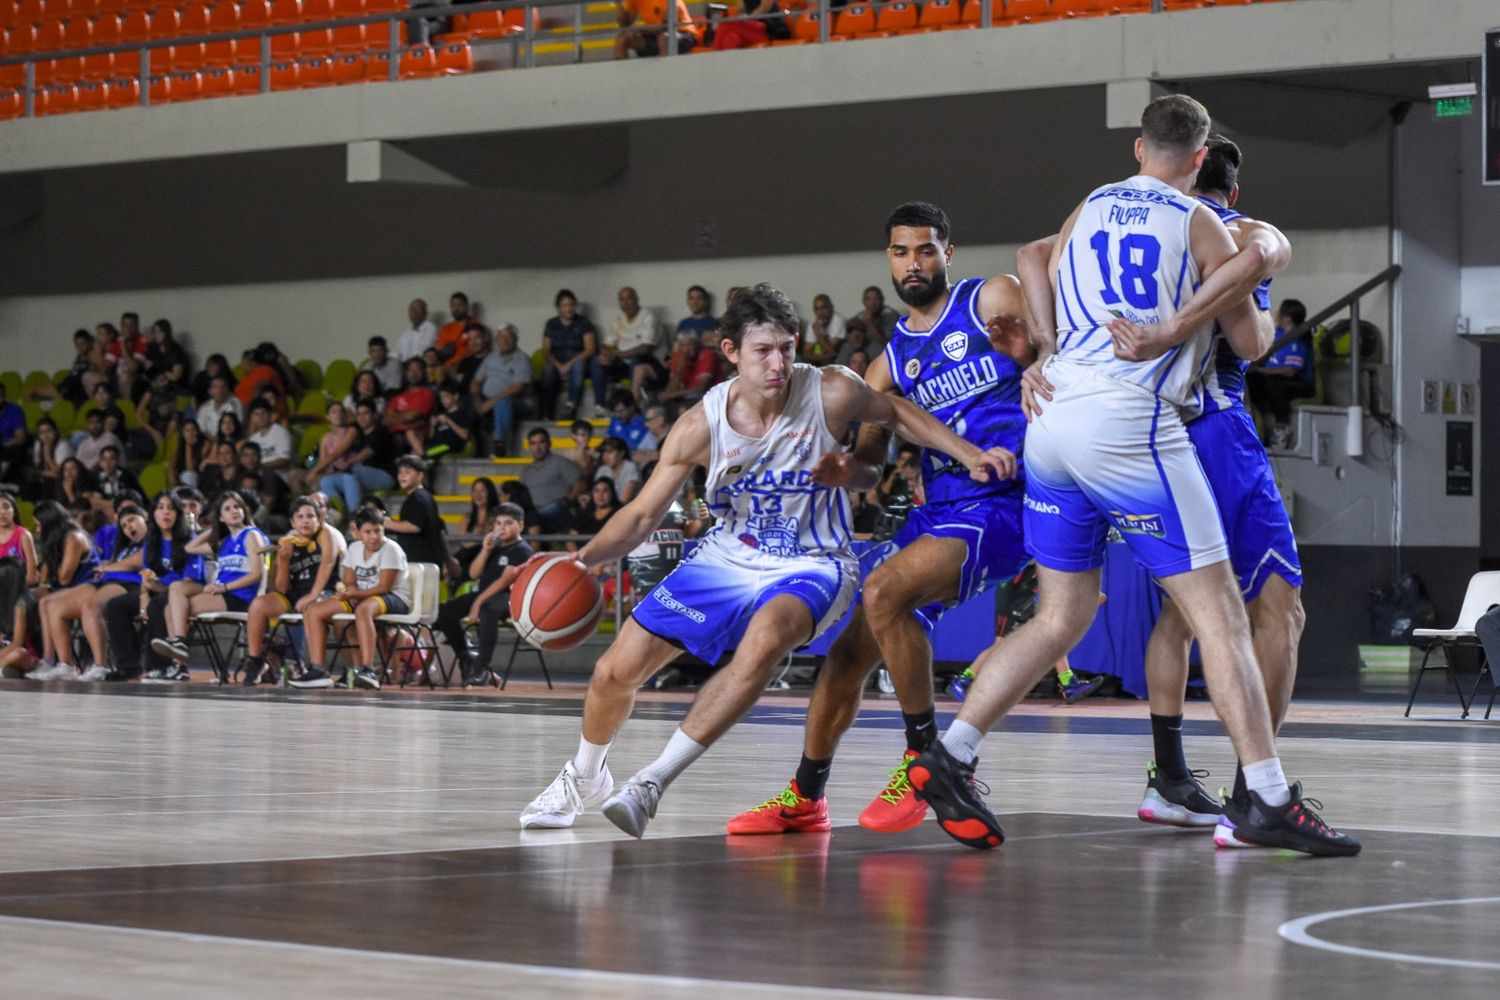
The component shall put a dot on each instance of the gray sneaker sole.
(626, 815)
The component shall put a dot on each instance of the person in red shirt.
(267, 367)
(690, 370)
(645, 21)
(450, 342)
(409, 408)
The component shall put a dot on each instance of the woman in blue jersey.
(67, 558)
(164, 560)
(303, 570)
(236, 543)
(85, 602)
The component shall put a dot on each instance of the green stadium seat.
(311, 372)
(338, 378)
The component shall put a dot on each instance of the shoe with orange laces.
(789, 812)
(896, 808)
(949, 786)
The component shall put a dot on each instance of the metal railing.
(1350, 302)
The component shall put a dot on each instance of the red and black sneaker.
(956, 796)
(1294, 826)
(789, 812)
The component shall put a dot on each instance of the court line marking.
(1296, 931)
(584, 975)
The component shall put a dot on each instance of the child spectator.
(304, 568)
(496, 564)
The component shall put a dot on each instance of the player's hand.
(304, 602)
(1034, 386)
(541, 557)
(1134, 342)
(836, 469)
(1009, 336)
(997, 463)
(474, 611)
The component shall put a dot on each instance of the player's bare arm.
(846, 397)
(1002, 307)
(860, 468)
(1257, 331)
(687, 446)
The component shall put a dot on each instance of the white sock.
(1266, 779)
(590, 758)
(681, 751)
(962, 741)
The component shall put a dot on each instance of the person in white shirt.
(825, 332)
(275, 441)
(385, 367)
(631, 345)
(219, 402)
(418, 338)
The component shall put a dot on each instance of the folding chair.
(422, 580)
(201, 628)
(1483, 592)
(517, 646)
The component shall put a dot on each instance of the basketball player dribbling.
(963, 541)
(772, 574)
(1110, 449)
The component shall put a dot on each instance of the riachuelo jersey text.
(953, 372)
(1224, 379)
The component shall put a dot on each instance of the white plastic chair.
(201, 627)
(1483, 593)
(422, 581)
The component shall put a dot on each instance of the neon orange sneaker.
(896, 808)
(789, 812)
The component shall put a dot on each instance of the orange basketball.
(556, 604)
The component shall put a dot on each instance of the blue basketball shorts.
(706, 603)
(1255, 519)
(1105, 453)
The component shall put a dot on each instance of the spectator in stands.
(72, 483)
(598, 506)
(230, 430)
(722, 368)
(419, 336)
(16, 542)
(451, 426)
(266, 483)
(766, 22)
(824, 333)
(372, 460)
(616, 466)
(863, 515)
(96, 439)
(164, 354)
(386, 368)
(335, 450)
(856, 338)
(903, 481)
(303, 567)
(217, 366)
(879, 319)
(219, 401)
(48, 452)
(88, 369)
(1288, 374)
(375, 583)
(476, 346)
(858, 363)
(643, 24)
(13, 445)
(552, 480)
(627, 423)
(421, 531)
(658, 423)
(274, 440)
(434, 365)
(188, 454)
(582, 454)
(412, 405)
(569, 344)
(495, 565)
(268, 366)
(132, 360)
(450, 339)
(691, 370)
(498, 385)
(514, 491)
(700, 319)
(111, 479)
(156, 415)
(164, 559)
(367, 385)
(65, 551)
(20, 626)
(483, 500)
(225, 472)
(631, 345)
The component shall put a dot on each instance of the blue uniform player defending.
(966, 538)
(775, 571)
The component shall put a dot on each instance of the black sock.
(921, 729)
(1166, 734)
(812, 776)
(1239, 783)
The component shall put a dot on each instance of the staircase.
(454, 479)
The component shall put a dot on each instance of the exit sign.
(1454, 107)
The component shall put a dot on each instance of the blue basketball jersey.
(953, 372)
(234, 560)
(124, 549)
(1224, 381)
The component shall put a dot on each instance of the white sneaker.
(883, 682)
(600, 413)
(94, 674)
(52, 672)
(567, 798)
(634, 805)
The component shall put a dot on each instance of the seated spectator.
(627, 424)
(420, 532)
(372, 460)
(494, 565)
(234, 543)
(644, 22)
(304, 569)
(266, 483)
(119, 573)
(156, 414)
(164, 354)
(476, 346)
(483, 500)
(767, 23)
(225, 472)
(95, 440)
(132, 360)
(1288, 374)
(164, 560)
(631, 345)
(450, 339)
(230, 430)
(616, 466)
(512, 491)
(111, 479)
(903, 481)
(412, 405)
(13, 444)
(598, 506)
(582, 454)
(368, 385)
(335, 452)
(89, 369)
(691, 370)
(73, 483)
(20, 626)
(553, 481)
(386, 368)
(569, 344)
(451, 426)
(434, 364)
(48, 452)
(267, 366)
(219, 401)
(824, 333)
(419, 335)
(273, 440)
(700, 319)
(202, 386)
(856, 338)
(722, 368)
(498, 387)
(16, 541)
(65, 551)
(658, 423)
(858, 363)
(375, 584)
(878, 318)
(188, 454)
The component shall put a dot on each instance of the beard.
(918, 296)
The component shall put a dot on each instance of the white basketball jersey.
(1130, 256)
(761, 489)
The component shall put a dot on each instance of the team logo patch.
(1139, 524)
(913, 368)
(956, 345)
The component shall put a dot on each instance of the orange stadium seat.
(285, 12)
(419, 61)
(285, 74)
(377, 66)
(159, 87)
(218, 81)
(12, 76)
(352, 37)
(12, 104)
(317, 71)
(101, 66)
(349, 67)
(247, 78)
(92, 96)
(223, 19)
(164, 22)
(124, 93)
(33, 11)
(22, 40)
(254, 16)
(854, 20)
(318, 42)
(144, 6)
(490, 24)
(454, 58)
(805, 29)
(937, 15)
(49, 36)
(897, 17)
(109, 6)
(56, 99)
(187, 85)
(192, 22)
(135, 27)
(8, 14)
(78, 32)
(378, 36)
(1026, 11)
